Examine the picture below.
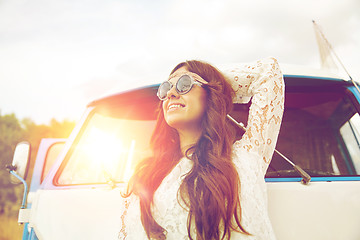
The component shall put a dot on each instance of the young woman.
(200, 182)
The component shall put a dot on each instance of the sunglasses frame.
(192, 83)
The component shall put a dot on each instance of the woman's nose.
(172, 93)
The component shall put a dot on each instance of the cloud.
(62, 54)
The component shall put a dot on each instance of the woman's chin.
(175, 123)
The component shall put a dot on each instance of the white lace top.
(263, 81)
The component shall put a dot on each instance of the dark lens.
(163, 90)
(184, 84)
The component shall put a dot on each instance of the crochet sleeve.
(263, 82)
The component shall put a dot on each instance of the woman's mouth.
(175, 106)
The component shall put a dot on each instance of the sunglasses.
(183, 86)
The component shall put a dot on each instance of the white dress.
(263, 81)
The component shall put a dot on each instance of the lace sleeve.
(263, 81)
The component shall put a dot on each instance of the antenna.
(321, 38)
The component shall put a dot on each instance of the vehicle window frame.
(345, 89)
(73, 147)
(46, 159)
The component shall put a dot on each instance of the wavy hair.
(210, 190)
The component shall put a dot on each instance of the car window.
(350, 133)
(320, 133)
(108, 150)
(52, 153)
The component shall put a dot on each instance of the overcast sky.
(56, 56)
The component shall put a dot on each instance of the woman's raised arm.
(263, 82)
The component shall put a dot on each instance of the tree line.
(13, 131)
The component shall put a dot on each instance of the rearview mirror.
(20, 161)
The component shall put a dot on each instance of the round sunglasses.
(183, 86)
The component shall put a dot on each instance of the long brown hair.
(211, 188)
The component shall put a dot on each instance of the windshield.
(108, 150)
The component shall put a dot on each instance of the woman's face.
(184, 111)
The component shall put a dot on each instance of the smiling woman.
(200, 183)
(184, 105)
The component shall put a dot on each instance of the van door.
(81, 199)
(49, 150)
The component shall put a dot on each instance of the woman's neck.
(188, 138)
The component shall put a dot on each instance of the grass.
(9, 228)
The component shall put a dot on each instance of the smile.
(175, 106)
